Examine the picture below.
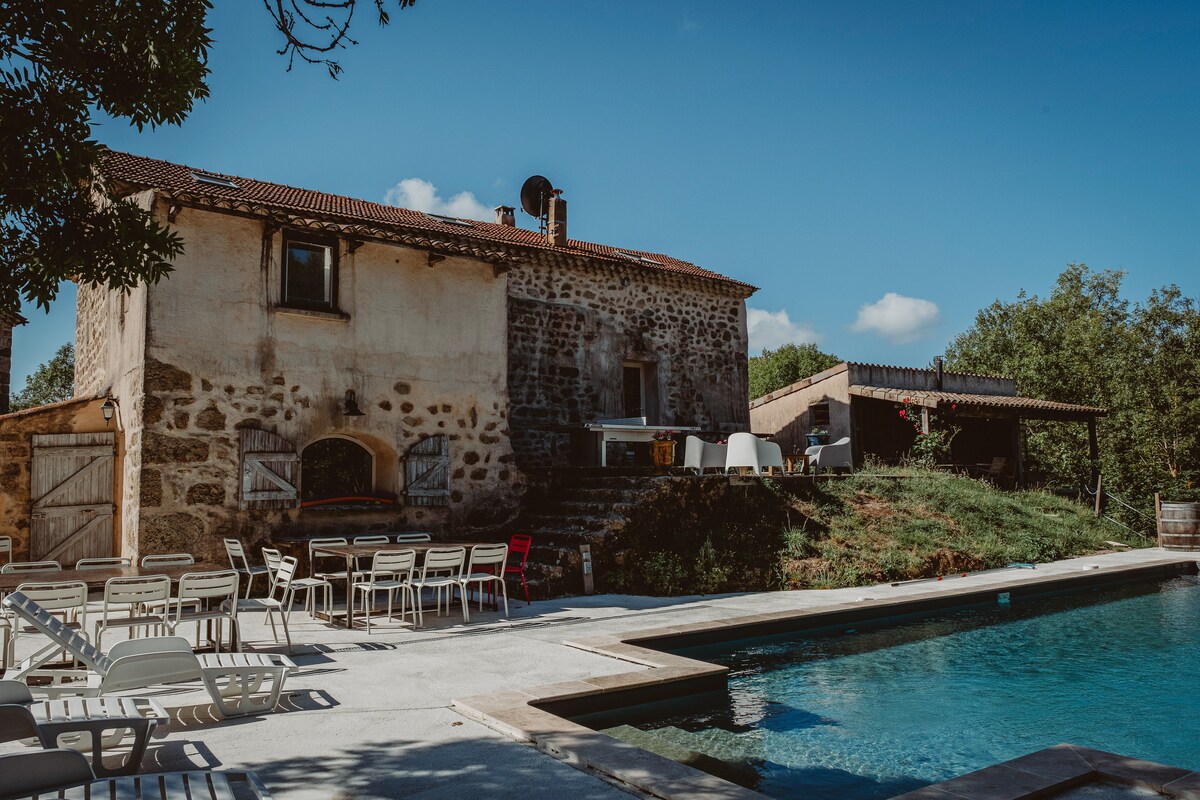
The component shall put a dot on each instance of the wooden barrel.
(1179, 526)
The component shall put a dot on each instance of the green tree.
(141, 61)
(1086, 344)
(50, 382)
(775, 369)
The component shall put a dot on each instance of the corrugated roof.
(148, 173)
(1027, 406)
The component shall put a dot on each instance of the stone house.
(7, 323)
(316, 363)
(863, 401)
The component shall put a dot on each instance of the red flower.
(903, 413)
(954, 405)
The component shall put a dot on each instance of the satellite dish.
(535, 196)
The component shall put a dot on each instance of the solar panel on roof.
(450, 220)
(216, 180)
(636, 257)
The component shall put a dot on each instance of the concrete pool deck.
(371, 716)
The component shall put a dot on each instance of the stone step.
(687, 748)
(601, 494)
(602, 508)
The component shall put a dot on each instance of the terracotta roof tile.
(932, 399)
(143, 172)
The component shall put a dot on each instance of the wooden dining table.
(96, 578)
(352, 552)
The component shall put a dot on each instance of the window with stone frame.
(310, 272)
(818, 415)
(336, 467)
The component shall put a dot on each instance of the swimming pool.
(878, 709)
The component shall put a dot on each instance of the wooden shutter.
(270, 471)
(427, 472)
(72, 490)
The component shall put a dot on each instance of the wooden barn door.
(270, 471)
(427, 472)
(72, 490)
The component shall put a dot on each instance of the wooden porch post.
(924, 419)
(1017, 449)
(1094, 459)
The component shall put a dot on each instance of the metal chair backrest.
(6, 547)
(32, 566)
(520, 545)
(284, 572)
(169, 559)
(393, 562)
(67, 596)
(221, 585)
(237, 555)
(102, 563)
(486, 555)
(272, 557)
(401, 538)
(315, 543)
(131, 591)
(449, 560)
(381, 539)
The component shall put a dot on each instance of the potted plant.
(662, 450)
(817, 435)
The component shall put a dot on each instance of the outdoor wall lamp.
(108, 408)
(350, 407)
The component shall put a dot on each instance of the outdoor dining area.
(172, 619)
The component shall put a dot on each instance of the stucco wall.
(424, 348)
(572, 328)
(16, 453)
(786, 418)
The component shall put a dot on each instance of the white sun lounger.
(64, 775)
(139, 663)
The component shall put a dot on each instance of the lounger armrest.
(151, 644)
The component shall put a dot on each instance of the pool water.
(878, 710)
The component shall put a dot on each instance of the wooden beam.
(1093, 451)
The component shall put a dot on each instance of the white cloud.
(897, 318)
(421, 195)
(772, 329)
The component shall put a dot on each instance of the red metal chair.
(518, 554)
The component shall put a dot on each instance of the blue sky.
(882, 170)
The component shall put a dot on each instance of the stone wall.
(422, 347)
(6, 328)
(572, 328)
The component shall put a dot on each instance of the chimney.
(937, 363)
(556, 226)
(506, 215)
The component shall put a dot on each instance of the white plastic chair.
(217, 593)
(31, 566)
(831, 456)
(169, 560)
(237, 560)
(102, 563)
(701, 455)
(748, 451)
(135, 596)
(442, 571)
(492, 557)
(391, 571)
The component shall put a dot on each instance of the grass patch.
(869, 528)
